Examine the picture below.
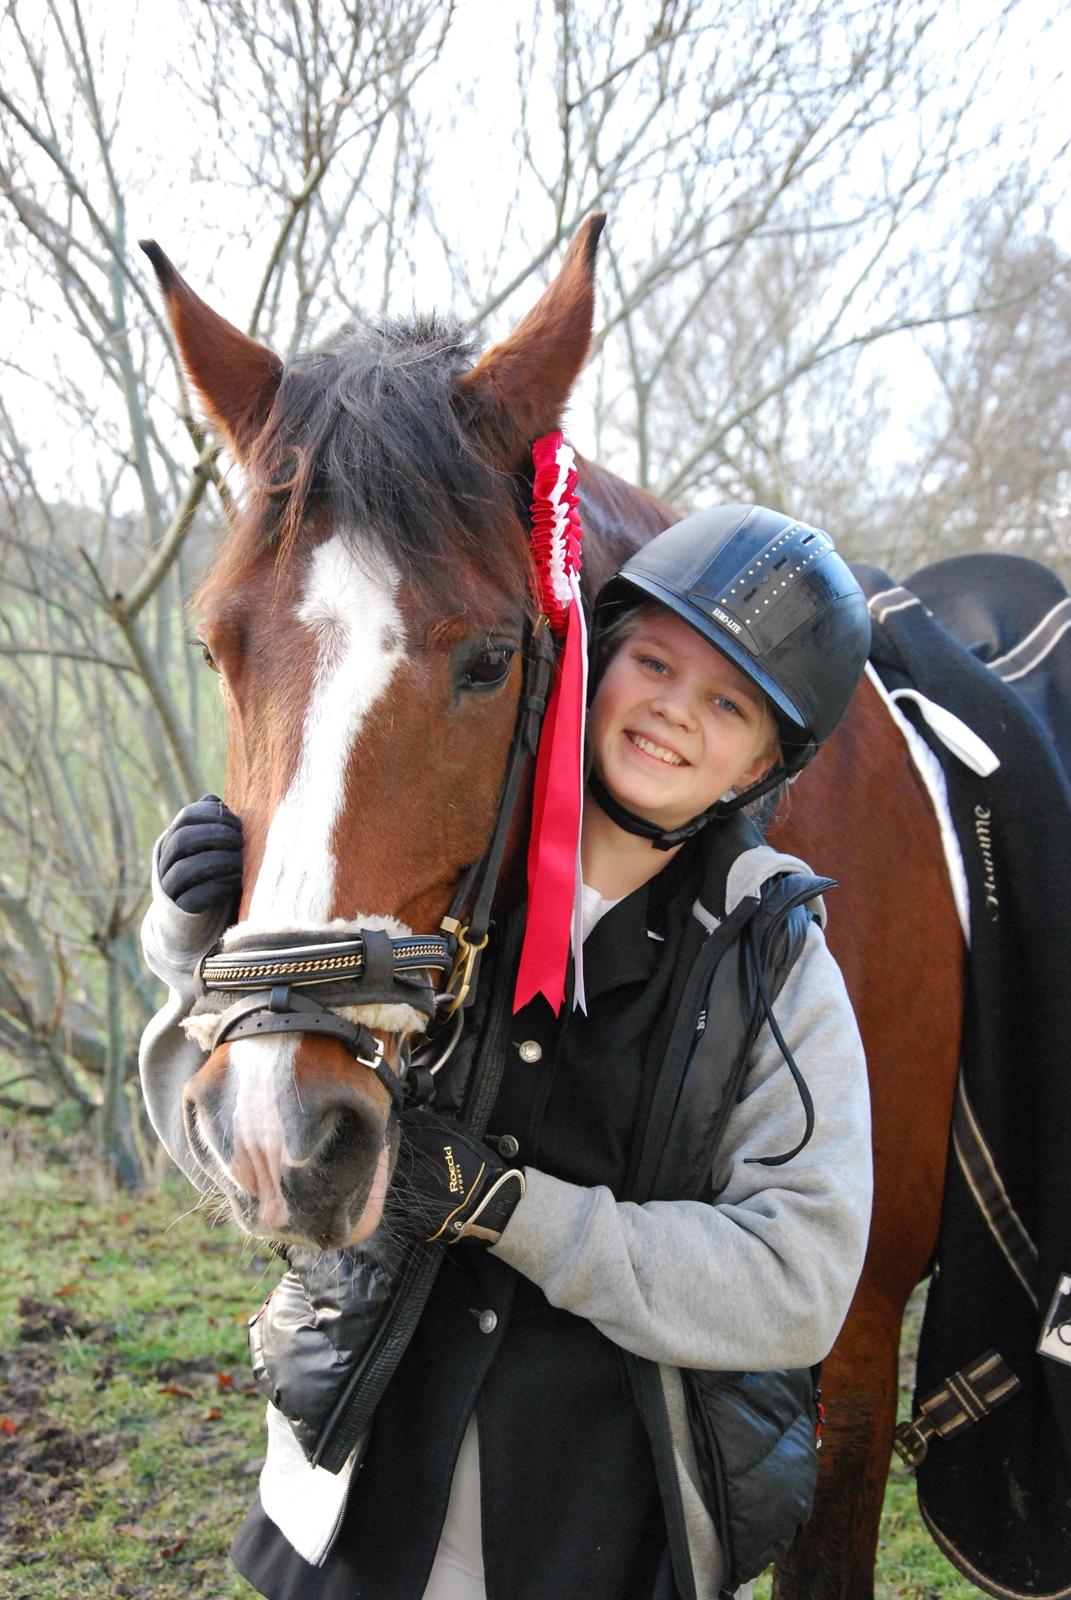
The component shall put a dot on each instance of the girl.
(609, 1392)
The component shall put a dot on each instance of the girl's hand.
(453, 1186)
(201, 857)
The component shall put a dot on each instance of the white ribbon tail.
(559, 577)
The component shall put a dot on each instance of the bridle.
(271, 984)
(366, 968)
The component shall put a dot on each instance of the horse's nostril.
(328, 1110)
(347, 1129)
(341, 1135)
(191, 1121)
(207, 1112)
(327, 1192)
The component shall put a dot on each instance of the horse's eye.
(490, 668)
(210, 660)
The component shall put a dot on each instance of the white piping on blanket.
(1043, 638)
(884, 604)
(929, 770)
(990, 1196)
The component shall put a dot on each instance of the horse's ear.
(517, 391)
(236, 377)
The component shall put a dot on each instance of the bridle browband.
(371, 967)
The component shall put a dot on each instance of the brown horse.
(367, 619)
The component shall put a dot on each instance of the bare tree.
(809, 198)
(785, 185)
(993, 468)
(105, 731)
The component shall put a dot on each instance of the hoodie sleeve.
(763, 1277)
(173, 943)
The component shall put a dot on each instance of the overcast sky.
(147, 50)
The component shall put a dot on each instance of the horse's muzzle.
(300, 1142)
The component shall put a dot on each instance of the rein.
(272, 983)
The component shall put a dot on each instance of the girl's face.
(674, 725)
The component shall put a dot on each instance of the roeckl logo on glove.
(457, 1183)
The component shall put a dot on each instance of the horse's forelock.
(366, 438)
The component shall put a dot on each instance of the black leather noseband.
(368, 968)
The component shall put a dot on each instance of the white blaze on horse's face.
(352, 612)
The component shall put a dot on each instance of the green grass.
(130, 1435)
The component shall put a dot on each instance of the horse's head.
(367, 618)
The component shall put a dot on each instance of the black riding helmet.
(774, 597)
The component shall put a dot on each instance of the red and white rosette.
(554, 882)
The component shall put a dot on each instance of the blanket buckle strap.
(962, 1400)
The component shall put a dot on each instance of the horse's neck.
(618, 518)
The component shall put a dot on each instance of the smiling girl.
(675, 726)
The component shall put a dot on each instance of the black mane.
(369, 433)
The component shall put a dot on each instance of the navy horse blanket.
(986, 640)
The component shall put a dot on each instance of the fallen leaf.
(68, 1288)
(224, 1380)
(213, 1414)
(8, 1427)
(176, 1388)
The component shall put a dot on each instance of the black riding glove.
(201, 857)
(453, 1186)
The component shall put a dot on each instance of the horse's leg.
(833, 1558)
(864, 817)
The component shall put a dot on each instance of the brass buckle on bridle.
(455, 991)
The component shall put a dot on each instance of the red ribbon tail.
(552, 847)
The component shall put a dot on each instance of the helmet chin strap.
(669, 839)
